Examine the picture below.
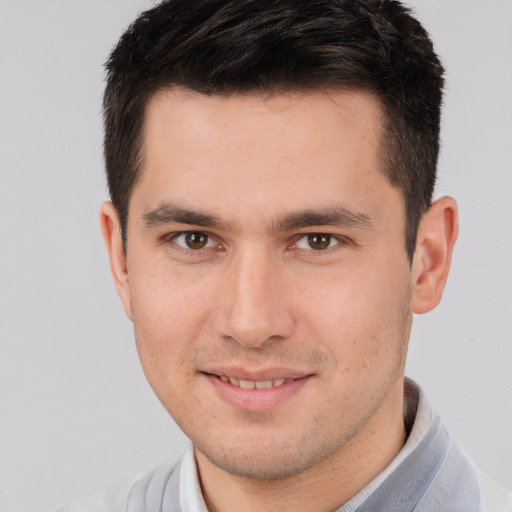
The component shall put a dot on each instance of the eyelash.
(173, 237)
(330, 238)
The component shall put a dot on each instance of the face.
(266, 275)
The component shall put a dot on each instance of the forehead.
(304, 116)
(262, 149)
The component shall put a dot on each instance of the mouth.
(256, 392)
(254, 384)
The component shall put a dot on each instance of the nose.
(253, 303)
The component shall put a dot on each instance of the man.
(271, 167)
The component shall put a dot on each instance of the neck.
(323, 487)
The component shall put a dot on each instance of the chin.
(266, 459)
(259, 466)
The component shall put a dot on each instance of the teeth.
(264, 384)
(247, 384)
(251, 384)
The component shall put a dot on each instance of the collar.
(419, 419)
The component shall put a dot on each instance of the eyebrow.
(169, 213)
(335, 216)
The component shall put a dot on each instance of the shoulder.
(110, 498)
(493, 496)
(147, 490)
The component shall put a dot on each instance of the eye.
(317, 241)
(194, 240)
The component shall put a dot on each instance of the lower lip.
(256, 399)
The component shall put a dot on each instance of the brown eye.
(195, 240)
(319, 241)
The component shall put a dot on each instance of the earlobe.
(432, 258)
(111, 230)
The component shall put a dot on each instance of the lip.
(255, 400)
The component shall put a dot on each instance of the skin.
(254, 177)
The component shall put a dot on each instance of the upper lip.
(257, 375)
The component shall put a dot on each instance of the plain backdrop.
(75, 409)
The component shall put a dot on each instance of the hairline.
(386, 150)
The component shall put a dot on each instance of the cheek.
(167, 298)
(169, 313)
(167, 320)
(362, 316)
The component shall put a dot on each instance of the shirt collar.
(417, 412)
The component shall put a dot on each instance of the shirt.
(429, 474)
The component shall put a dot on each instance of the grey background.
(75, 409)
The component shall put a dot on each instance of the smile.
(262, 392)
(251, 384)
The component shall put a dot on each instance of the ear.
(111, 229)
(433, 255)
